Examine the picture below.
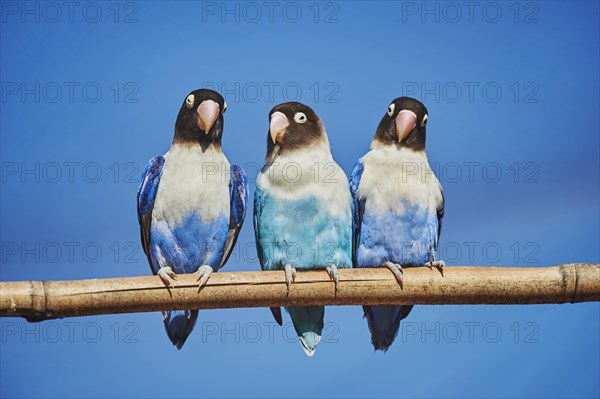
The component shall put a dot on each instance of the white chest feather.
(308, 173)
(192, 180)
(394, 178)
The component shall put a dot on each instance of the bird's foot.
(438, 264)
(203, 273)
(396, 269)
(332, 270)
(167, 275)
(290, 276)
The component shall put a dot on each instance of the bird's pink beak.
(208, 112)
(405, 122)
(279, 122)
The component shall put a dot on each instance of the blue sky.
(90, 93)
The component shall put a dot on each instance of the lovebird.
(398, 207)
(302, 209)
(191, 203)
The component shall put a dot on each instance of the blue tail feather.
(308, 322)
(179, 324)
(384, 323)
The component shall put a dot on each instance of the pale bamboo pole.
(568, 283)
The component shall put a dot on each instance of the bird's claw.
(203, 273)
(438, 264)
(333, 273)
(167, 275)
(290, 276)
(396, 269)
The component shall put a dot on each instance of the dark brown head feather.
(297, 135)
(187, 130)
(386, 131)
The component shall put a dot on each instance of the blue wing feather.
(238, 193)
(358, 208)
(145, 199)
(258, 207)
(440, 218)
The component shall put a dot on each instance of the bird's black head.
(403, 124)
(293, 126)
(200, 118)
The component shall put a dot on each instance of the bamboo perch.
(37, 300)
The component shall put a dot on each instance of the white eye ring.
(300, 117)
(424, 121)
(189, 101)
(224, 106)
(391, 109)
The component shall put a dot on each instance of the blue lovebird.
(302, 209)
(191, 203)
(398, 208)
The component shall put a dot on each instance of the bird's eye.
(300, 117)
(189, 101)
(391, 109)
(424, 121)
(224, 106)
